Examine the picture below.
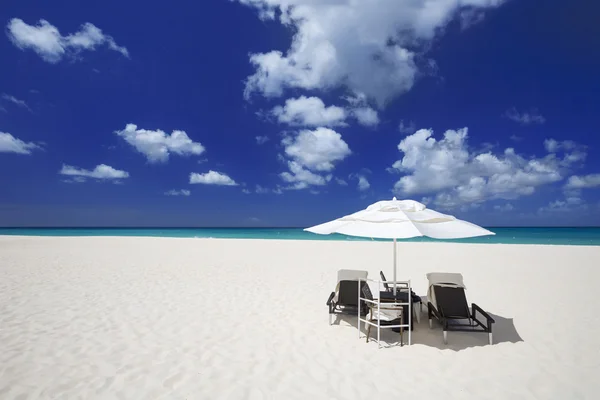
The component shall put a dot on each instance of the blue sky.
(293, 112)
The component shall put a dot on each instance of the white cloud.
(367, 46)
(212, 178)
(318, 149)
(448, 170)
(300, 177)
(366, 116)
(525, 118)
(312, 112)
(262, 139)
(102, 172)
(158, 145)
(407, 128)
(359, 109)
(341, 182)
(311, 153)
(46, 40)
(14, 100)
(182, 192)
(363, 183)
(309, 111)
(10, 144)
(583, 182)
(504, 208)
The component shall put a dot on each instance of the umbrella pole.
(395, 258)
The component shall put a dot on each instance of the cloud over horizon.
(456, 176)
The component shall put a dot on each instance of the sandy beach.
(159, 318)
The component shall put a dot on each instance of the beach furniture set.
(446, 302)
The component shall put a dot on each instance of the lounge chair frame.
(377, 304)
(346, 289)
(474, 324)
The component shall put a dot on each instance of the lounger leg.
(417, 313)
(430, 323)
(491, 338)
(401, 337)
(368, 332)
(445, 337)
(330, 318)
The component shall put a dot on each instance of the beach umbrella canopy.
(400, 219)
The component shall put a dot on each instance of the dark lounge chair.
(453, 312)
(345, 299)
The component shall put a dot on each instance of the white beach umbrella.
(400, 219)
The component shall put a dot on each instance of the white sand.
(156, 318)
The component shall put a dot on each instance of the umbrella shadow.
(504, 331)
(388, 337)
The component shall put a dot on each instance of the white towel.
(348, 275)
(451, 279)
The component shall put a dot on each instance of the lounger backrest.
(451, 301)
(385, 285)
(366, 291)
(348, 293)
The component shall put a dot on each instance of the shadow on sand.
(503, 329)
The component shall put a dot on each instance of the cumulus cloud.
(447, 169)
(262, 139)
(212, 178)
(310, 154)
(182, 192)
(363, 183)
(309, 111)
(300, 177)
(15, 101)
(341, 182)
(318, 149)
(158, 145)
(583, 182)
(46, 40)
(361, 111)
(10, 144)
(525, 118)
(312, 112)
(370, 47)
(102, 172)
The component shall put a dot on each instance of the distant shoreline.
(577, 236)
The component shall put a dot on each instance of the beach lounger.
(344, 299)
(447, 302)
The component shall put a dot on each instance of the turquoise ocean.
(548, 236)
